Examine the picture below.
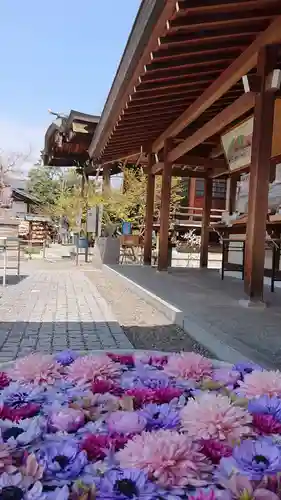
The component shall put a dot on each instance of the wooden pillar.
(163, 256)
(83, 184)
(106, 181)
(149, 212)
(231, 193)
(259, 176)
(208, 188)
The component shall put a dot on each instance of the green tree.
(45, 184)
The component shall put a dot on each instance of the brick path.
(54, 308)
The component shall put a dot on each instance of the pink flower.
(266, 424)
(6, 462)
(240, 487)
(215, 450)
(126, 422)
(159, 396)
(67, 419)
(169, 458)
(213, 416)
(188, 365)
(261, 383)
(124, 359)
(38, 368)
(87, 368)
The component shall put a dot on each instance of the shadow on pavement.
(12, 281)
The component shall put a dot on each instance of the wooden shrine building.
(179, 91)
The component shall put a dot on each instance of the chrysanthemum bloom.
(4, 380)
(121, 484)
(257, 384)
(62, 459)
(254, 459)
(126, 422)
(66, 419)
(97, 445)
(66, 357)
(22, 433)
(169, 458)
(160, 416)
(87, 368)
(266, 405)
(215, 450)
(266, 424)
(213, 416)
(6, 462)
(188, 365)
(38, 368)
(12, 487)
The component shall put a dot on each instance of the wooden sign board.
(237, 142)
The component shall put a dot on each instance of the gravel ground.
(146, 327)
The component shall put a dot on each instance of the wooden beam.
(163, 76)
(192, 174)
(185, 6)
(204, 247)
(163, 256)
(199, 161)
(149, 212)
(259, 177)
(242, 65)
(219, 122)
(178, 39)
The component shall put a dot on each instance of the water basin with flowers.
(138, 425)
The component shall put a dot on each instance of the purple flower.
(226, 376)
(125, 484)
(17, 395)
(143, 377)
(266, 405)
(62, 459)
(126, 422)
(254, 459)
(245, 368)
(66, 419)
(160, 416)
(66, 357)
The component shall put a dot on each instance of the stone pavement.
(212, 313)
(55, 307)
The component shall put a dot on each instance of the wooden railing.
(194, 215)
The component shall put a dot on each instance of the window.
(219, 188)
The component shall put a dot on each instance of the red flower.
(96, 446)
(124, 359)
(16, 414)
(266, 424)
(215, 450)
(4, 380)
(102, 386)
(159, 396)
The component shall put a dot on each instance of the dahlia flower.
(126, 422)
(266, 405)
(188, 365)
(263, 383)
(66, 357)
(66, 419)
(12, 487)
(87, 368)
(162, 416)
(168, 457)
(121, 484)
(254, 459)
(37, 368)
(97, 445)
(215, 450)
(213, 416)
(22, 433)
(62, 459)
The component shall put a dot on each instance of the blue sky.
(58, 54)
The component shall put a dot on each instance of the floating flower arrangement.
(138, 426)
